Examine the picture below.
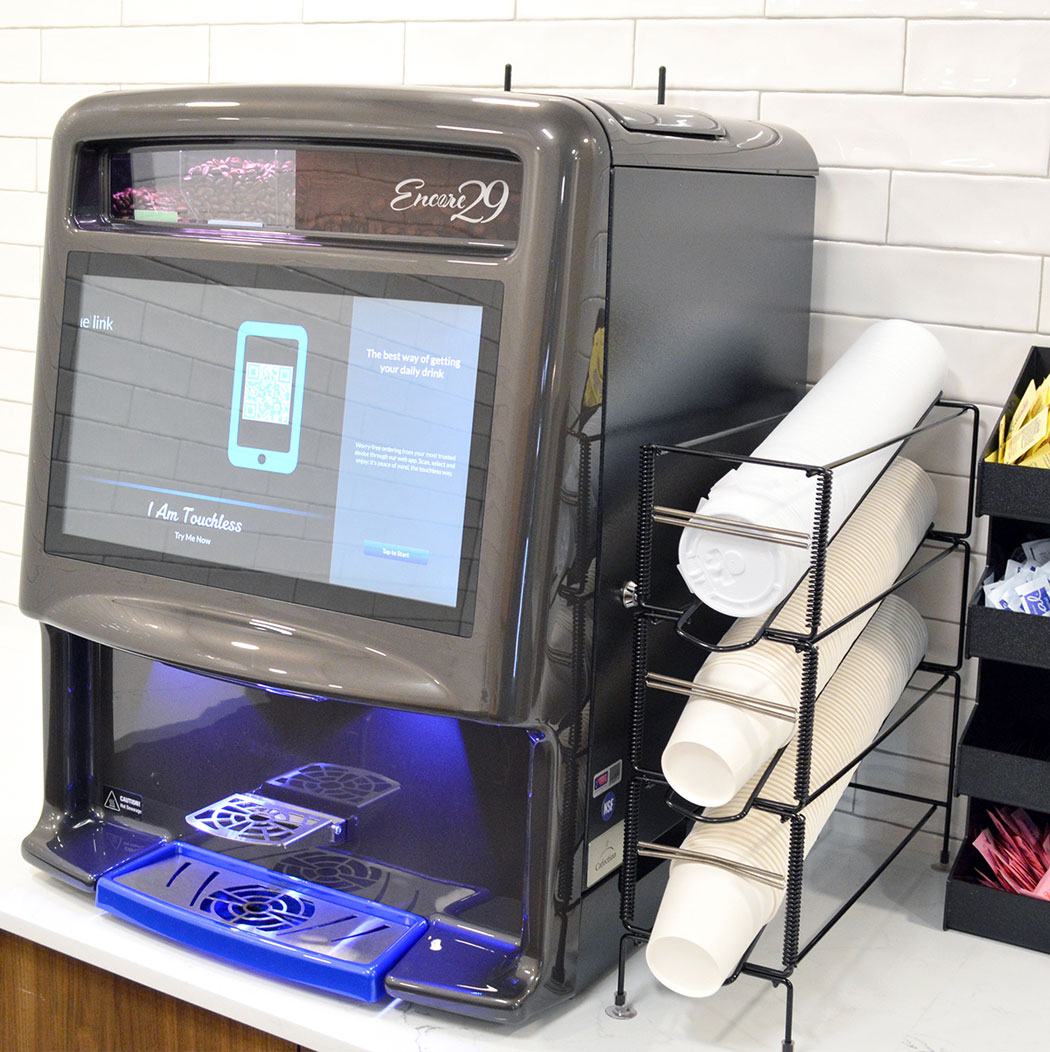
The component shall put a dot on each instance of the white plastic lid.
(742, 576)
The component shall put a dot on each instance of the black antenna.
(506, 77)
(661, 85)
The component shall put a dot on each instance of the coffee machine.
(332, 498)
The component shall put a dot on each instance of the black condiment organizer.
(645, 776)
(1004, 754)
(990, 912)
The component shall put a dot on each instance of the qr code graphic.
(267, 393)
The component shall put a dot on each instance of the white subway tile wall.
(571, 53)
(62, 13)
(128, 54)
(986, 213)
(205, 12)
(307, 54)
(820, 54)
(978, 58)
(20, 55)
(852, 205)
(927, 133)
(956, 288)
(417, 11)
(930, 120)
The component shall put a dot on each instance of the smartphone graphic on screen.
(267, 404)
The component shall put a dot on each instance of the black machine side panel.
(708, 329)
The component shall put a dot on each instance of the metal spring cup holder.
(636, 597)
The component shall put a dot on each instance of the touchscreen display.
(312, 435)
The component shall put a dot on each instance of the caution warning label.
(122, 802)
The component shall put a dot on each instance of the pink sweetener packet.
(1017, 868)
(1009, 883)
(1042, 889)
(1023, 820)
(1006, 861)
(1013, 827)
(1023, 860)
(983, 843)
(1000, 823)
(1044, 844)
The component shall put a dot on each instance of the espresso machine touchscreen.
(293, 424)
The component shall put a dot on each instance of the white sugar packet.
(1037, 552)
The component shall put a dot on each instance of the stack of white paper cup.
(716, 747)
(879, 388)
(709, 916)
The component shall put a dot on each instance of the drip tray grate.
(274, 922)
(251, 819)
(376, 881)
(332, 785)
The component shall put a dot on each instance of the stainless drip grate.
(258, 907)
(335, 784)
(335, 870)
(251, 819)
(378, 881)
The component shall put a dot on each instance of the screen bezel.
(484, 292)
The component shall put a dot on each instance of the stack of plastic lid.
(876, 391)
(710, 915)
(716, 747)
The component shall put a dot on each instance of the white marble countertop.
(885, 978)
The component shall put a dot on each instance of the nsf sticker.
(608, 806)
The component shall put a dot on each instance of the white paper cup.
(715, 748)
(707, 919)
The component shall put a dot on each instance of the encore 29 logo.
(473, 201)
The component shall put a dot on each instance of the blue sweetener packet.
(1035, 594)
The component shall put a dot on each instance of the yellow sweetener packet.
(1024, 409)
(1026, 437)
(1042, 394)
(1037, 458)
(1002, 438)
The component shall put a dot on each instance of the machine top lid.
(665, 120)
(471, 121)
(657, 135)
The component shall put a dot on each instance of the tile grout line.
(904, 55)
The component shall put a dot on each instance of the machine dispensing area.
(332, 499)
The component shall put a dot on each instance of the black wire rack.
(947, 679)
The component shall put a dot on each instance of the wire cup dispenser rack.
(636, 597)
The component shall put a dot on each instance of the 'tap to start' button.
(397, 552)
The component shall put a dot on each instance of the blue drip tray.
(272, 922)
